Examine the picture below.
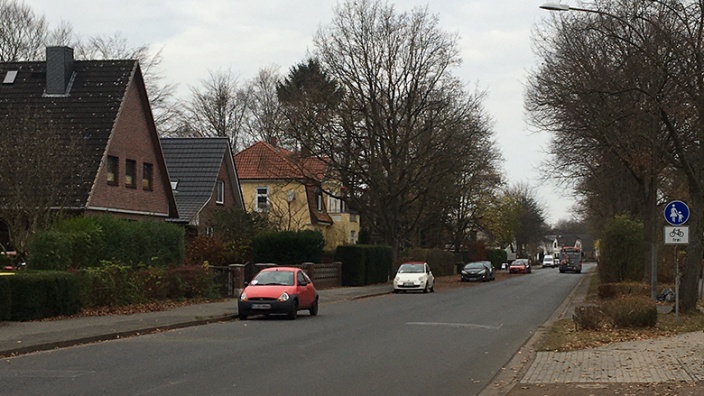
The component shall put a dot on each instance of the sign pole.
(677, 286)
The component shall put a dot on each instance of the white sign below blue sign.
(676, 213)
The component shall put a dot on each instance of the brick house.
(105, 103)
(293, 191)
(203, 178)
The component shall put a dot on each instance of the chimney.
(59, 68)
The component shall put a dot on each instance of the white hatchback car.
(414, 275)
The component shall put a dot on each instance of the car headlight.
(283, 297)
(243, 296)
(464, 272)
(422, 278)
(396, 279)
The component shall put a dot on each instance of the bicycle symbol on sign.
(676, 232)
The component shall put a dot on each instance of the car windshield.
(520, 262)
(411, 269)
(547, 258)
(476, 265)
(283, 278)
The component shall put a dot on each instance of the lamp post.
(653, 231)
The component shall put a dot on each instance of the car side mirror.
(302, 283)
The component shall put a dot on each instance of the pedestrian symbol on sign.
(676, 213)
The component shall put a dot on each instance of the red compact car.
(278, 290)
(519, 266)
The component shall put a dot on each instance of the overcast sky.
(246, 35)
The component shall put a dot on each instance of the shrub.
(205, 249)
(622, 247)
(632, 311)
(190, 282)
(589, 317)
(149, 284)
(107, 286)
(50, 250)
(613, 290)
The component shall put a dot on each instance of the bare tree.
(635, 93)
(161, 93)
(23, 33)
(394, 125)
(33, 189)
(217, 108)
(264, 118)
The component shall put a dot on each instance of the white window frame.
(258, 195)
(220, 192)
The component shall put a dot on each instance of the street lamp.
(653, 231)
(565, 7)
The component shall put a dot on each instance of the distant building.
(295, 192)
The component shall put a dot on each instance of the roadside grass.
(563, 335)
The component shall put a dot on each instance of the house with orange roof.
(296, 193)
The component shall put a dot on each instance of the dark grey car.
(477, 270)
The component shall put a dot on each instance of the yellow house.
(293, 191)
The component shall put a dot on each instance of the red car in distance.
(278, 290)
(519, 266)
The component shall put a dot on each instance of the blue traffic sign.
(676, 213)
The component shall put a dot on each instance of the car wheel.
(425, 289)
(242, 316)
(432, 288)
(562, 271)
(293, 313)
(314, 308)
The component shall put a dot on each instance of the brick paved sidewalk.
(667, 359)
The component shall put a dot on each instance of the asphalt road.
(450, 342)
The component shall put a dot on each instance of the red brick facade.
(133, 138)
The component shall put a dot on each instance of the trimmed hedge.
(441, 262)
(5, 298)
(288, 247)
(85, 242)
(364, 264)
(32, 295)
(37, 295)
(354, 269)
(497, 257)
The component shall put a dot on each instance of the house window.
(130, 173)
(353, 237)
(147, 170)
(262, 199)
(113, 168)
(220, 192)
(318, 200)
(209, 232)
(335, 205)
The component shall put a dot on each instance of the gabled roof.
(94, 101)
(193, 164)
(263, 161)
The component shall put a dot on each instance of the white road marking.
(475, 326)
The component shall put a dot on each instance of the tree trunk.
(689, 292)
